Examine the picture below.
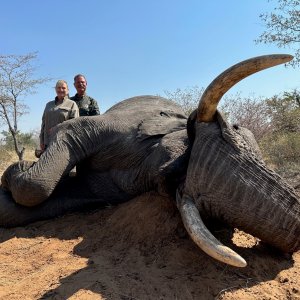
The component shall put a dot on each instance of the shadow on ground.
(139, 250)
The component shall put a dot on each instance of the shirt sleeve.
(74, 111)
(42, 133)
(94, 110)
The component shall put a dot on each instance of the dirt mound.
(138, 250)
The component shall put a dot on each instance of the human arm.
(74, 113)
(42, 133)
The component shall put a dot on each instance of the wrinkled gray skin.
(138, 145)
(146, 143)
(141, 144)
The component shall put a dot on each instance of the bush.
(282, 149)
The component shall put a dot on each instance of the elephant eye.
(163, 114)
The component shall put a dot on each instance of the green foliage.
(285, 112)
(283, 27)
(24, 139)
(282, 145)
(282, 149)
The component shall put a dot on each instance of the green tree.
(282, 145)
(16, 82)
(285, 111)
(23, 139)
(283, 27)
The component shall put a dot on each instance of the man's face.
(80, 85)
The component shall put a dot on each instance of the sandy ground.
(138, 250)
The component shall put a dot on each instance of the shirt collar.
(56, 99)
(80, 97)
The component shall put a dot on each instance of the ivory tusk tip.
(221, 84)
(287, 57)
(241, 263)
(232, 258)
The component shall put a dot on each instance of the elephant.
(209, 168)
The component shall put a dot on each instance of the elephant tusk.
(221, 84)
(202, 236)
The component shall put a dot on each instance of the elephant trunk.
(31, 184)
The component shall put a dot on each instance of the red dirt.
(138, 250)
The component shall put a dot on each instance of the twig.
(225, 290)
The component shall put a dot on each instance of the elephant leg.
(69, 196)
(13, 214)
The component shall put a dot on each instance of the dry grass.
(8, 157)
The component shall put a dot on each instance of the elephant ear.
(159, 125)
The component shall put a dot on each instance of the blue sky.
(129, 48)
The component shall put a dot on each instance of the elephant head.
(227, 179)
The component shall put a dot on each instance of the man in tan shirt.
(57, 111)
